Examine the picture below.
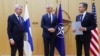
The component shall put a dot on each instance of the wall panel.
(36, 10)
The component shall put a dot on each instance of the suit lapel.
(53, 18)
(16, 20)
(78, 19)
(48, 19)
(85, 17)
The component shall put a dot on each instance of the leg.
(79, 47)
(20, 48)
(52, 45)
(46, 46)
(13, 50)
(86, 48)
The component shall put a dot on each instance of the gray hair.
(18, 6)
(49, 5)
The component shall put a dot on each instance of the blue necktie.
(20, 20)
(81, 17)
(50, 18)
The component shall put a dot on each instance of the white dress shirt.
(17, 16)
(84, 15)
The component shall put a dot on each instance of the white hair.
(18, 6)
(49, 5)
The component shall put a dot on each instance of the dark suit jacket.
(90, 23)
(15, 29)
(46, 23)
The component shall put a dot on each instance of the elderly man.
(16, 31)
(49, 24)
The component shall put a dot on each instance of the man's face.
(49, 9)
(81, 8)
(19, 11)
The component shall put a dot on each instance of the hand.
(12, 42)
(51, 30)
(74, 30)
(82, 29)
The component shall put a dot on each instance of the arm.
(56, 22)
(9, 28)
(92, 22)
(43, 24)
(76, 18)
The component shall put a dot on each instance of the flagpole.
(26, 1)
(60, 1)
(56, 1)
(93, 1)
(56, 4)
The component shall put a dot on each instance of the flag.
(60, 35)
(94, 44)
(28, 43)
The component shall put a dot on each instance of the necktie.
(81, 17)
(20, 20)
(50, 18)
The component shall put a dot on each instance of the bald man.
(16, 31)
(49, 25)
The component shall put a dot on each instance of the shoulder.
(11, 16)
(77, 15)
(44, 15)
(89, 13)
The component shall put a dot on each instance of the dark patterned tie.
(20, 20)
(81, 17)
(50, 18)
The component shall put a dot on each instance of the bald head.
(18, 9)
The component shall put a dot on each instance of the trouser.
(19, 46)
(49, 45)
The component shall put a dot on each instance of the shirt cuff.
(11, 39)
(85, 29)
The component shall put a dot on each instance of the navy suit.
(16, 32)
(90, 23)
(48, 37)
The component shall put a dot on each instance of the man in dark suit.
(88, 23)
(49, 24)
(16, 31)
